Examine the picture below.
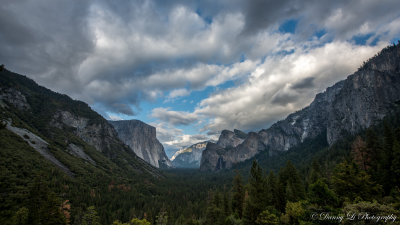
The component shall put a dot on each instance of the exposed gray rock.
(100, 135)
(216, 157)
(40, 145)
(142, 139)
(13, 97)
(231, 139)
(79, 152)
(347, 107)
(189, 157)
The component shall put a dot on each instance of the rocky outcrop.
(231, 139)
(40, 145)
(13, 97)
(347, 107)
(79, 152)
(189, 157)
(100, 135)
(216, 157)
(142, 139)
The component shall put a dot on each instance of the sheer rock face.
(189, 157)
(347, 107)
(231, 139)
(100, 135)
(141, 137)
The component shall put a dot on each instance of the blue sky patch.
(289, 26)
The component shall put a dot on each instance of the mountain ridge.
(348, 106)
(65, 124)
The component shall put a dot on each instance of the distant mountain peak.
(189, 157)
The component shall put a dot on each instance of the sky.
(193, 68)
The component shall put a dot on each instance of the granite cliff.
(142, 139)
(189, 157)
(347, 107)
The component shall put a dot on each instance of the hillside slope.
(61, 142)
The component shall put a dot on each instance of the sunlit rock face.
(142, 139)
(347, 107)
(189, 157)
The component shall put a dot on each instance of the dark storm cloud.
(45, 39)
(174, 117)
(305, 83)
(123, 109)
(284, 98)
(339, 18)
(210, 133)
(105, 52)
(260, 14)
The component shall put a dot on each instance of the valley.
(63, 163)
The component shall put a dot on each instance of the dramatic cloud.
(304, 83)
(278, 86)
(261, 59)
(174, 117)
(187, 140)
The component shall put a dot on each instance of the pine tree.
(226, 204)
(291, 182)
(351, 182)
(255, 203)
(267, 218)
(44, 206)
(373, 149)
(385, 166)
(321, 194)
(90, 217)
(214, 212)
(136, 221)
(276, 195)
(315, 172)
(395, 168)
(360, 154)
(162, 218)
(21, 217)
(237, 196)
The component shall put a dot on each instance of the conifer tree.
(162, 218)
(385, 166)
(315, 172)
(396, 163)
(90, 217)
(237, 195)
(226, 204)
(275, 193)
(360, 154)
(214, 212)
(267, 218)
(351, 182)
(291, 182)
(43, 205)
(21, 217)
(373, 149)
(255, 203)
(321, 194)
